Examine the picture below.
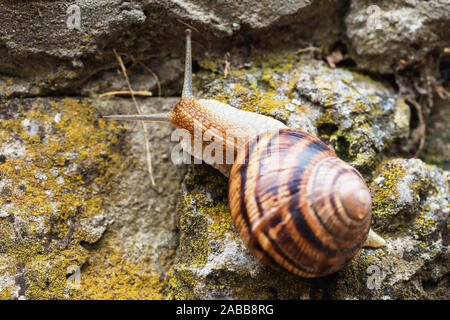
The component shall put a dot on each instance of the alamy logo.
(210, 147)
(73, 17)
(374, 18)
(74, 280)
(374, 280)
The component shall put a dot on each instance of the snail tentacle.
(187, 84)
(163, 117)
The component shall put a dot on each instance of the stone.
(357, 116)
(57, 46)
(392, 35)
(60, 202)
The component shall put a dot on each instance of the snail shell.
(297, 206)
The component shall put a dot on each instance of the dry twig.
(139, 111)
(421, 127)
(188, 25)
(137, 61)
(137, 93)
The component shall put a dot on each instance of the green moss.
(339, 140)
(210, 65)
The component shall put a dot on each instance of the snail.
(297, 206)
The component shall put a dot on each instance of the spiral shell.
(297, 206)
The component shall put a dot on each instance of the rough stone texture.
(411, 209)
(392, 35)
(41, 54)
(144, 231)
(357, 116)
(57, 162)
(437, 146)
(66, 178)
(144, 215)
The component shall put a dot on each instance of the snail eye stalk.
(187, 84)
(164, 117)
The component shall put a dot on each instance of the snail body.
(297, 206)
(230, 127)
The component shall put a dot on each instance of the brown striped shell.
(297, 206)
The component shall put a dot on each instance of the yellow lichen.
(6, 292)
(60, 180)
(209, 65)
(180, 285)
(109, 276)
(384, 188)
(255, 100)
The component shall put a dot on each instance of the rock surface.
(56, 170)
(66, 178)
(391, 35)
(359, 117)
(79, 216)
(437, 148)
(57, 45)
